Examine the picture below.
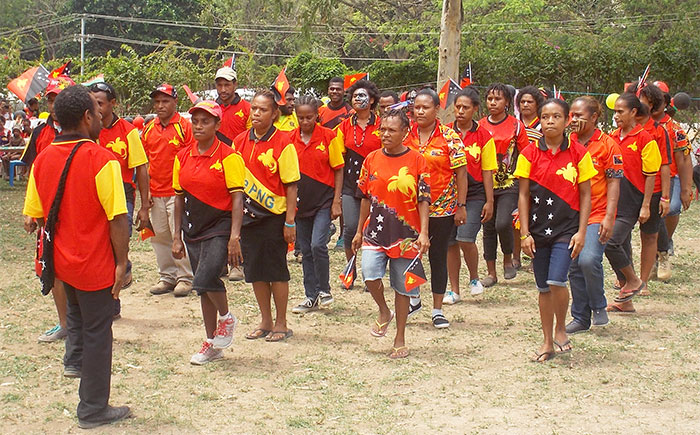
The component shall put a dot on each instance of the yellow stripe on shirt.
(234, 172)
(176, 176)
(522, 170)
(288, 164)
(586, 170)
(335, 152)
(137, 154)
(488, 156)
(651, 158)
(110, 189)
(32, 202)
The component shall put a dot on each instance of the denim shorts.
(676, 205)
(374, 267)
(351, 214)
(551, 265)
(468, 231)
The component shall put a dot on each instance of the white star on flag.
(534, 218)
(373, 234)
(380, 218)
(379, 228)
(537, 199)
(247, 200)
(548, 231)
(245, 210)
(550, 216)
(550, 201)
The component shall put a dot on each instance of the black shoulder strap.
(49, 234)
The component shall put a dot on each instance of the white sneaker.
(476, 288)
(224, 332)
(206, 354)
(451, 298)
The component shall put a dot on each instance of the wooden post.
(448, 62)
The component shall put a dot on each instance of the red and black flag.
(231, 62)
(448, 93)
(347, 278)
(31, 83)
(280, 87)
(63, 70)
(194, 98)
(350, 79)
(467, 79)
(414, 275)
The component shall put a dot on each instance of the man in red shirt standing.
(89, 232)
(162, 139)
(235, 120)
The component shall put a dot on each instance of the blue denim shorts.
(551, 265)
(374, 267)
(676, 205)
(468, 231)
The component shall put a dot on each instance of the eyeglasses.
(104, 87)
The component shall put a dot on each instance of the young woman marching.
(481, 162)
(208, 179)
(393, 220)
(443, 150)
(554, 203)
(269, 209)
(321, 166)
(510, 138)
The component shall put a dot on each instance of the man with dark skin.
(288, 118)
(94, 233)
(386, 99)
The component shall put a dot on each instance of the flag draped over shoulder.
(31, 83)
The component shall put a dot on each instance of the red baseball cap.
(166, 89)
(210, 107)
(663, 86)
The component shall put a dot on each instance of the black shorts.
(652, 225)
(208, 257)
(264, 250)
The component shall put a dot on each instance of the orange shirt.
(660, 135)
(510, 138)
(123, 140)
(236, 117)
(607, 160)
(678, 139)
(444, 153)
(93, 196)
(162, 145)
(394, 185)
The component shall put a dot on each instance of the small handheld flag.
(448, 93)
(642, 80)
(347, 278)
(231, 62)
(192, 96)
(280, 87)
(350, 79)
(61, 71)
(414, 275)
(467, 79)
(399, 105)
(31, 83)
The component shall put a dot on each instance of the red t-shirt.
(123, 140)
(162, 145)
(660, 135)
(235, 118)
(481, 156)
(41, 137)
(358, 143)
(331, 118)
(93, 196)
(510, 138)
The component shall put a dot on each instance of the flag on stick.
(466, 77)
(448, 93)
(350, 79)
(31, 83)
(231, 61)
(192, 96)
(63, 70)
(642, 80)
(280, 87)
(347, 278)
(414, 275)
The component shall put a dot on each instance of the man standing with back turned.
(88, 226)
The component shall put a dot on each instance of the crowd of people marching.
(228, 190)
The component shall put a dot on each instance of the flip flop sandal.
(561, 347)
(382, 328)
(258, 333)
(629, 295)
(281, 336)
(548, 355)
(614, 308)
(399, 352)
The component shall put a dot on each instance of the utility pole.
(450, 36)
(82, 43)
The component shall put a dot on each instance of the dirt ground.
(640, 374)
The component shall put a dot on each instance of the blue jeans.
(551, 265)
(586, 278)
(312, 235)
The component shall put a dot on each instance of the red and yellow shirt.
(554, 188)
(357, 143)
(41, 137)
(640, 159)
(123, 140)
(533, 130)
(270, 163)
(162, 143)
(444, 153)
(480, 150)
(207, 182)
(607, 161)
(287, 122)
(93, 196)
(236, 117)
(510, 139)
(318, 161)
(331, 118)
(678, 140)
(394, 185)
(659, 134)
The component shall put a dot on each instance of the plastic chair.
(14, 163)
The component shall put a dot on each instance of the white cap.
(226, 72)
